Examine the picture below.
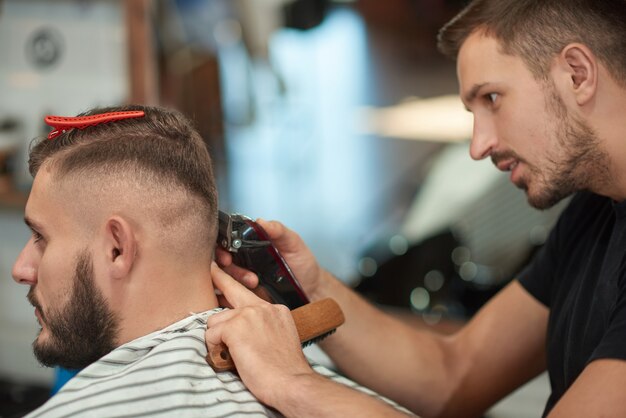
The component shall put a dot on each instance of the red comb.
(61, 124)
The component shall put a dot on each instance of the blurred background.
(338, 118)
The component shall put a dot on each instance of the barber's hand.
(262, 339)
(295, 252)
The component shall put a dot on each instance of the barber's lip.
(513, 166)
(507, 165)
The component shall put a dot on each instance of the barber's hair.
(538, 30)
(161, 148)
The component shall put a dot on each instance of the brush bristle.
(318, 339)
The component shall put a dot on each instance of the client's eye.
(37, 236)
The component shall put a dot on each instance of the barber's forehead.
(485, 49)
(480, 38)
(479, 52)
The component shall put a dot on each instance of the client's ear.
(121, 247)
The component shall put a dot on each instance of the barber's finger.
(223, 257)
(282, 237)
(224, 260)
(222, 302)
(214, 333)
(236, 293)
(212, 339)
(242, 275)
(218, 318)
(274, 229)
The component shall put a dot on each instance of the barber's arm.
(500, 349)
(460, 375)
(598, 392)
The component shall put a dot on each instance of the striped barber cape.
(162, 374)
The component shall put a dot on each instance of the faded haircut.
(162, 149)
(538, 30)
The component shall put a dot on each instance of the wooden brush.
(314, 321)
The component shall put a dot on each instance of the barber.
(546, 83)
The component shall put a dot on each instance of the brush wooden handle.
(312, 321)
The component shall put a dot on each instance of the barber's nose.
(26, 266)
(484, 139)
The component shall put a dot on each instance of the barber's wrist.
(326, 286)
(296, 393)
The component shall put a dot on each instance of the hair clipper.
(251, 249)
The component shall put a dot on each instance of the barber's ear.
(581, 68)
(121, 247)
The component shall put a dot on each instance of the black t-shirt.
(579, 275)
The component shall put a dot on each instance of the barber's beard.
(578, 164)
(81, 331)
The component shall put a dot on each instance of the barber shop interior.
(340, 119)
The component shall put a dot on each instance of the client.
(123, 213)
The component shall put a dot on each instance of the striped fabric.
(161, 374)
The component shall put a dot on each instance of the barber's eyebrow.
(471, 95)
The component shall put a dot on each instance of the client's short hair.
(160, 151)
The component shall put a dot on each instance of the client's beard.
(83, 330)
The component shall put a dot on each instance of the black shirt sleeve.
(613, 343)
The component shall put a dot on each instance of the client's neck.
(161, 298)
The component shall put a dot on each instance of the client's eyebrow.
(33, 225)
